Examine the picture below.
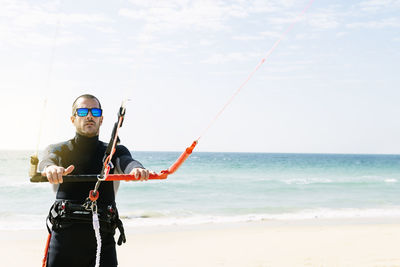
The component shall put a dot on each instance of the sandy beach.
(253, 244)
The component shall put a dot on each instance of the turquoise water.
(224, 187)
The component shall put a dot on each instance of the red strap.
(46, 250)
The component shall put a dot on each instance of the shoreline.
(151, 225)
(319, 242)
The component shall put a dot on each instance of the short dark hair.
(88, 96)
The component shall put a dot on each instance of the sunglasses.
(83, 112)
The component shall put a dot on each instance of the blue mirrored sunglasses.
(83, 112)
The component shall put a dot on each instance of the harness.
(65, 213)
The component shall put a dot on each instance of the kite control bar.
(121, 177)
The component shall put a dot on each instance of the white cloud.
(206, 42)
(157, 18)
(262, 6)
(248, 37)
(272, 34)
(161, 47)
(82, 18)
(35, 38)
(29, 23)
(283, 20)
(19, 37)
(341, 34)
(25, 14)
(306, 36)
(324, 20)
(259, 36)
(375, 5)
(132, 13)
(213, 15)
(281, 70)
(103, 29)
(109, 50)
(207, 15)
(232, 57)
(153, 3)
(384, 23)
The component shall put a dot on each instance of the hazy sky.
(331, 86)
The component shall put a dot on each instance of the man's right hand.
(55, 173)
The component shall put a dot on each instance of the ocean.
(225, 187)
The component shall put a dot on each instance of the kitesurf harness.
(64, 213)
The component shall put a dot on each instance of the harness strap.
(122, 237)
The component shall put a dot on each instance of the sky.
(330, 86)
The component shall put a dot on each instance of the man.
(73, 242)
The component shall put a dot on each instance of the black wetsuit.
(75, 245)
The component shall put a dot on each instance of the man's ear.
(101, 120)
(72, 119)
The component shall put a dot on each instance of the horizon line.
(237, 152)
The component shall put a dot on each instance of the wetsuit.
(75, 245)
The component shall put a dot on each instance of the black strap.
(122, 237)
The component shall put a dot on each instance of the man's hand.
(55, 173)
(142, 174)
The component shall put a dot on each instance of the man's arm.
(127, 165)
(49, 166)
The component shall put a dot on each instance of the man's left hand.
(142, 174)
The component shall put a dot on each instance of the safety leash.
(96, 227)
(91, 202)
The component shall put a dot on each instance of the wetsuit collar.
(86, 142)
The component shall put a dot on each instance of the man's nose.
(89, 115)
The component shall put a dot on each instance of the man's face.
(87, 126)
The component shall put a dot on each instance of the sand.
(252, 244)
